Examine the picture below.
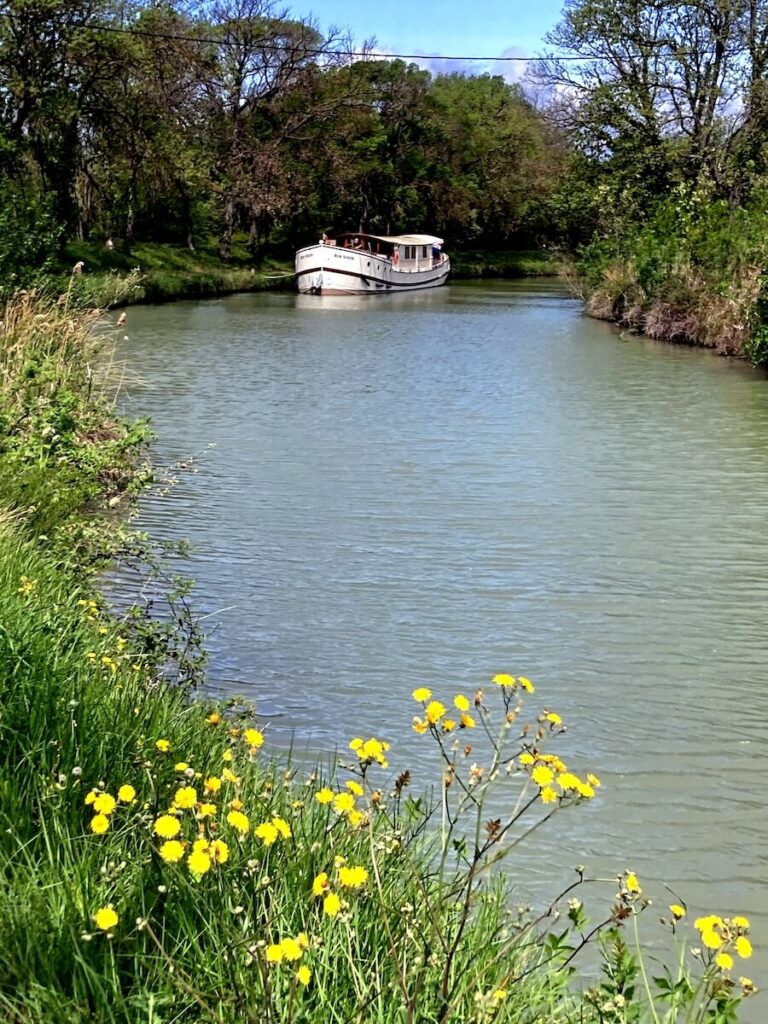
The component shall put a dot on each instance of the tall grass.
(158, 866)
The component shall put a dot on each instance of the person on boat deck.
(324, 239)
(436, 253)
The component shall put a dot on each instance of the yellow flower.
(676, 911)
(198, 863)
(743, 947)
(303, 940)
(226, 756)
(90, 797)
(703, 924)
(448, 724)
(214, 718)
(267, 833)
(356, 818)
(324, 795)
(421, 694)
(724, 961)
(99, 824)
(185, 797)
(212, 784)
(126, 794)
(205, 810)
(353, 877)
(167, 826)
(502, 679)
(181, 766)
(467, 722)
(104, 803)
(548, 795)
(526, 684)
(434, 711)
(419, 725)
(239, 821)
(303, 975)
(291, 949)
(343, 802)
(354, 787)
(171, 851)
(461, 702)
(526, 758)
(27, 586)
(274, 953)
(253, 737)
(373, 750)
(748, 986)
(163, 746)
(542, 775)
(282, 827)
(567, 780)
(585, 790)
(229, 776)
(236, 805)
(106, 918)
(219, 851)
(356, 744)
(740, 922)
(711, 939)
(500, 995)
(553, 718)
(593, 780)
(632, 884)
(320, 884)
(331, 904)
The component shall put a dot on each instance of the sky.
(488, 28)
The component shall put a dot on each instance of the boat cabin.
(406, 252)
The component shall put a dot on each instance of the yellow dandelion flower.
(198, 863)
(267, 833)
(703, 924)
(171, 851)
(320, 884)
(526, 684)
(214, 718)
(227, 756)
(676, 911)
(282, 827)
(448, 725)
(748, 986)
(212, 784)
(303, 975)
(502, 679)
(461, 702)
(567, 781)
(236, 805)
(434, 711)
(724, 961)
(303, 940)
(126, 794)
(167, 827)
(185, 797)
(99, 824)
(229, 776)
(206, 810)
(553, 718)
(542, 775)
(467, 722)
(291, 949)
(711, 939)
(104, 803)
(526, 759)
(324, 795)
(356, 744)
(356, 819)
(632, 884)
(353, 877)
(584, 789)
(354, 787)
(343, 802)
(548, 795)
(181, 766)
(419, 725)
(331, 904)
(106, 919)
(421, 694)
(274, 953)
(219, 851)
(593, 780)
(740, 922)
(500, 995)
(239, 821)
(90, 797)
(163, 746)
(254, 738)
(743, 947)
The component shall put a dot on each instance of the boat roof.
(400, 239)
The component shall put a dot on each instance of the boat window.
(424, 252)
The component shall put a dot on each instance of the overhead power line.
(316, 51)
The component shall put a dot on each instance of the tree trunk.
(225, 241)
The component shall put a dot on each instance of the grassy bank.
(694, 273)
(159, 867)
(151, 272)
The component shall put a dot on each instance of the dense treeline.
(665, 104)
(171, 122)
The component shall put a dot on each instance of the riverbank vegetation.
(159, 866)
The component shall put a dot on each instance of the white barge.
(358, 264)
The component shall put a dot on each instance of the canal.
(429, 489)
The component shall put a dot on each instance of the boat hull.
(331, 270)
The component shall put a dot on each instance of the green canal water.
(429, 489)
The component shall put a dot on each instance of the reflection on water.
(430, 488)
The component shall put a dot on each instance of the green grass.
(471, 263)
